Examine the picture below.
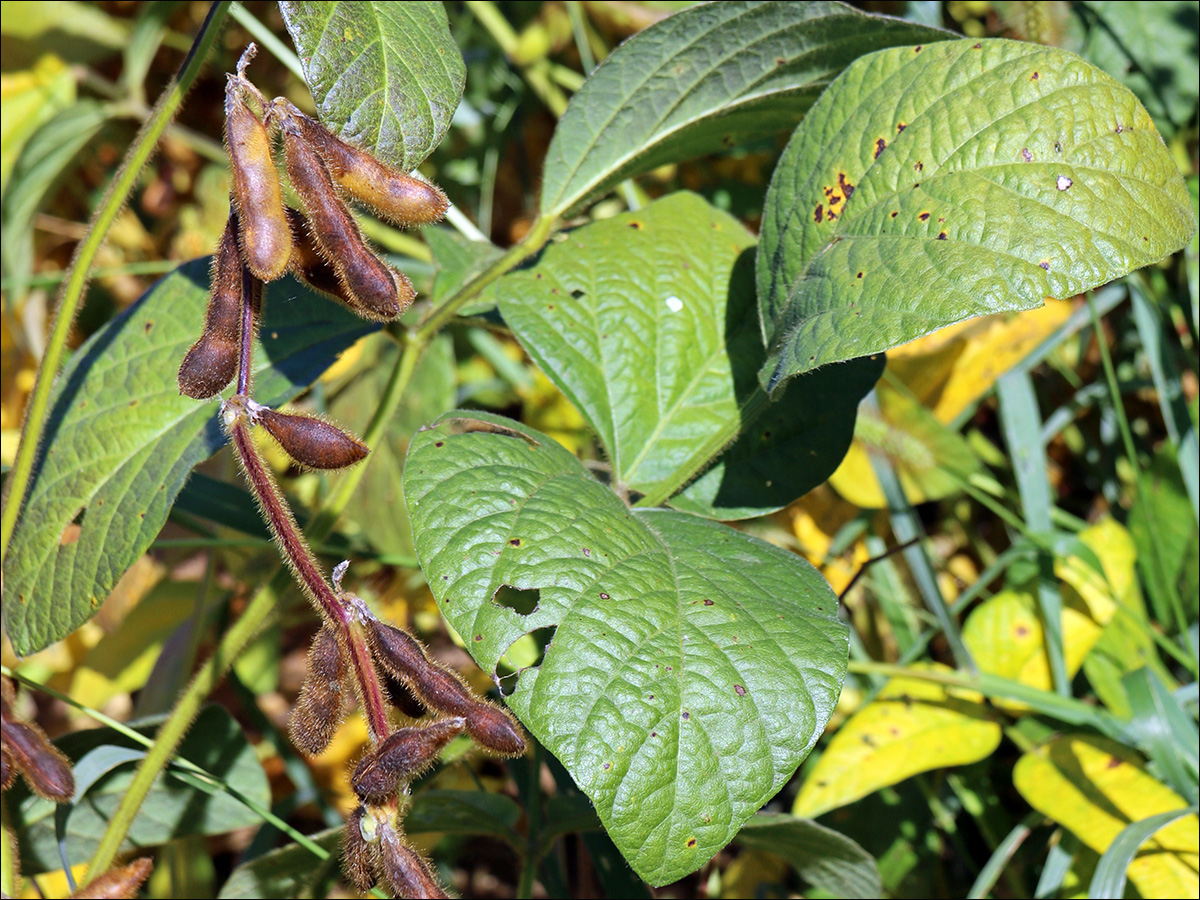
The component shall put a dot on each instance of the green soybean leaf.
(646, 322)
(121, 440)
(173, 808)
(692, 667)
(825, 858)
(932, 184)
(1152, 50)
(462, 812)
(706, 79)
(386, 76)
(286, 872)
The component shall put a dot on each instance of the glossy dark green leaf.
(462, 812)
(120, 442)
(646, 322)
(825, 858)
(386, 76)
(172, 809)
(693, 667)
(705, 79)
(934, 183)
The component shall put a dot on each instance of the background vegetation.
(1000, 465)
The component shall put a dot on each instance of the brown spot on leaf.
(880, 146)
(819, 213)
(924, 216)
(846, 186)
(1045, 264)
(859, 275)
(1034, 77)
(708, 602)
(895, 213)
(941, 236)
(918, 166)
(900, 126)
(604, 596)
(147, 327)
(1026, 155)
(636, 225)
(516, 542)
(691, 842)
(739, 690)
(1112, 763)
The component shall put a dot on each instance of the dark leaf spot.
(691, 842)
(819, 213)
(604, 596)
(895, 213)
(147, 327)
(708, 602)
(900, 126)
(941, 236)
(924, 216)
(739, 690)
(686, 714)
(638, 225)
(880, 146)
(1034, 77)
(577, 294)
(859, 275)
(1045, 264)
(1026, 155)
(846, 186)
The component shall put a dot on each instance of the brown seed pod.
(357, 855)
(406, 873)
(45, 768)
(495, 730)
(321, 706)
(375, 286)
(437, 687)
(402, 697)
(400, 757)
(212, 361)
(265, 237)
(399, 198)
(117, 884)
(312, 442)
(8, 769)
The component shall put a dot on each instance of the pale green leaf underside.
(964, 178)
(706, 79)
(121, 440)
(173, 808)
(693, 667)
(386, 76)
(646, 322)
(825, 858)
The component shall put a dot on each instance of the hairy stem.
(73, 289)
(265, 601)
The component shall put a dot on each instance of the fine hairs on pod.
(373, 284)
(266, 238)
(401, 199)
(212, 361)
(310, 441)
(400, 757)
(321, 706)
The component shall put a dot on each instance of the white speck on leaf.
(1064, 182)
(674, 304)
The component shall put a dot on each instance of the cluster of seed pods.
(353, 653)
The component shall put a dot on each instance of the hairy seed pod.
(43, 765)
(494, 729)
(399, 198)
(312, 442)
(212, 361)
(374, 285)
(357, 855)
(437, 687)
(266, 237)
(117, 884)
(406, 873)
(8, 769)
(400, 757)
(321, 706)
(402, 697)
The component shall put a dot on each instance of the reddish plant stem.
(308, 572)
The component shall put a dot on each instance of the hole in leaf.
(526, 652)
(521, 601)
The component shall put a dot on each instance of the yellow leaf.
(1005, 636)
(912, 726)
(1115, 550)
(1095, 787)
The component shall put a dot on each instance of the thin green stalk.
(537, 74)
(265, 600)
(72, 292)
(267, 39)
(1155, 547)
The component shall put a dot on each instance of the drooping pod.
(46, 770)
(321, 706)
(399, 198)
(374, 286)
(404, 870)
(310, 441)
(310, 266)
(212, 361)
(400, 757)
(266, 239)
(441, 689)
(357, 854)
(122, 883)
